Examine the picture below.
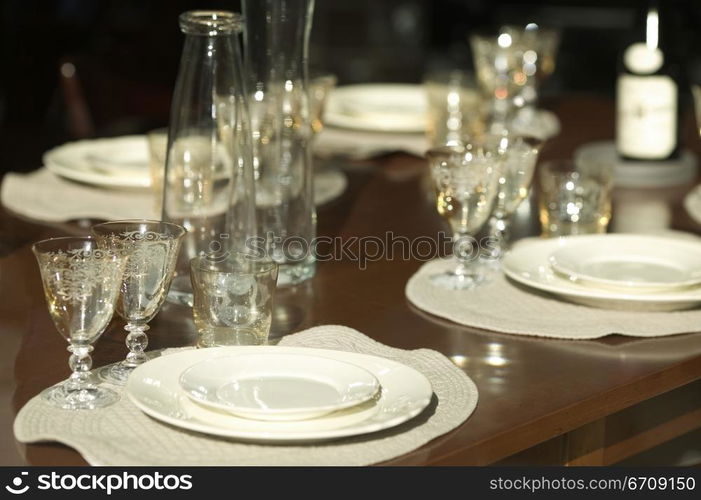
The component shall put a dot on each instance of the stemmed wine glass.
(519, 154)
(511, 63)
(151, 249)
(81, 285)
(466, 184)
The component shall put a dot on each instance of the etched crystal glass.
(466, 182)
(519, 157)
(81, 286)
(151, 250)
(511, 63)
(233, 299)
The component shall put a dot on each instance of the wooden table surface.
(541, 400)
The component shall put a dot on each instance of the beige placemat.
(501, 306)
(45, 196)
(123, 435)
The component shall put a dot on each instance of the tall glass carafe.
(276, 40)
(208, 182)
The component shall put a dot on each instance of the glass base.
(232, 337)
(118, 373)
(293, 274)
(466, 280)
(87, 399)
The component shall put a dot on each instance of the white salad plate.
(631, 263)
(528, 263)
(121, 162)
(382, 107)
(278, 386)
(154, 388)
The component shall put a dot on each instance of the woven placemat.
(502, 306)
(122, 435)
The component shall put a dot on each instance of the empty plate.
(278, 386)
(155, 389)
(528, 263)
(633, 263)
(117, 162)
(383, 107)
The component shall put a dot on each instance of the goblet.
(466, 184)
(151, 250)
(519, 154)
(511, 63)
(81, 286)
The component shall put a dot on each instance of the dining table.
(542, 401)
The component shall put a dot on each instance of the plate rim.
(352, 430)
(567, 270)
(95, 177)
(566, 288)
(373, 382)
(336, 119)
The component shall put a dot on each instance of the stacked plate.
(403, 108)
(378, 107)
(612, 271)
(278, 394)
(117, 162)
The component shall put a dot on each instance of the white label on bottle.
(647, 116)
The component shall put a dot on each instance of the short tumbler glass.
(233, 299)
(575, 197)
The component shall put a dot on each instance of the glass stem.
(80, 363)
(137, 341)
(498, 233)
(462, 249)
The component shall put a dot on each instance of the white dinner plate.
(118, 162)
(382, 107)
(631, 263)
(528, 263)
(278, 386)
(154, 388)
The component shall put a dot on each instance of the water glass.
(575, 196)
(233, 299)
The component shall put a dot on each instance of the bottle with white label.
(647, 94)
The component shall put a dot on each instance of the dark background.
(126, 52)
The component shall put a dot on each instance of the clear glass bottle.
(208, 184)
(276, 41)
(648, 114)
